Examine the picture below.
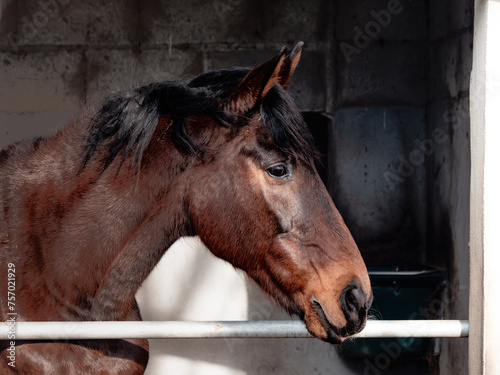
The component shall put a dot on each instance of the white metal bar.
(415, 328)
(226, 329)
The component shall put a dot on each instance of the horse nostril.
(355, 298)
(354, 304)
(353, 301)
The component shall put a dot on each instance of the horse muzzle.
(354, 304)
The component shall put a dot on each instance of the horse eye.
(278, 171)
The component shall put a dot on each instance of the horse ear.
(289, 65)
(256, 84)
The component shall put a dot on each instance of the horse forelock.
(127, 121)
(289, 132)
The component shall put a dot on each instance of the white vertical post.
(484, 339)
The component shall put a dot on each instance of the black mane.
(128, 119)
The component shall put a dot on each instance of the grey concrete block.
(243, 22)
(65, 22)
(308, 85)
(383, 73)
(112, 70)
(386, 19)
(8, 22)
(452, 115)
(292, 21)
(17, 126)
(219, 21)
(378, 175)
(449, 16)
(450, 66)
(41, 81)
(449, 181)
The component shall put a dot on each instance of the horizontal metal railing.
(223, 329)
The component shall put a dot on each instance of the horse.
(88, 212)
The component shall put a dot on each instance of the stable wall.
(377, 79)
(449, 163)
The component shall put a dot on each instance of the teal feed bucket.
(400, 295)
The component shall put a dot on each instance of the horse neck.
(154, 215)
(114, 230)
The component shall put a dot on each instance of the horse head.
(259, 203)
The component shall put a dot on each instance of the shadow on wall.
(190, 283)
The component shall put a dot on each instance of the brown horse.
(87, 213)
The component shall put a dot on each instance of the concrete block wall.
(451, 35)
(390, 77)
(383, 212)
(56, 55)
(379, 108)
(400, 141)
